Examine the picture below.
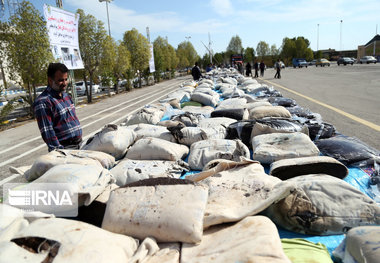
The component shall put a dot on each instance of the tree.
(274, 51)
(288, 50)
(235, 46)
(92, 36)
(115, 63)
(28, 49)
(165, 58)
(219, 58)
(186, 54)
(262, 49)
(139, 48)
(249, 54)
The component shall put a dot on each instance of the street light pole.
(341, 22)
(187, 38)
(108, 17)
(317, 37)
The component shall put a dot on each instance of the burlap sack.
(268, 148)
(157, 149)
(62, 240)
(254, 239)
(256, 104)
(323, 205)
(112, 139)
(205, 110)
(60, 156)
(269, 111)
(149, 208)
(204, 151)
(205, 99)
(228, 203)
(289, 168)
(129, 171)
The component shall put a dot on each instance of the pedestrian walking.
(277, 67)
(262, 68)
(248, 69)
(256, 66)
(55, 112)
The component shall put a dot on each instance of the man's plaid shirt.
(56, 118)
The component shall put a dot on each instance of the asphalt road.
(346, 96)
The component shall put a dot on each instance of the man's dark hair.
(54, 67)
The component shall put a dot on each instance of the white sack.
(219, 123)
(268, 148)
(73, 241)
(190, 135)
(112, 139)
(144, 130)
(87, 180)
(205, 99)
(170, 210)
(228, 203)
(254, 239)
(129, 171)
(204, 151)
(61, 156)
(232, 103)
(157, 149)
(151, 115)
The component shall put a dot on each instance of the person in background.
(196, 72)
(277, 67)
(248, 69)
(262, 68)
(208, 68)
(55, 112)
(256, 66)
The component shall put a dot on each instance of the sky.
(336, 24)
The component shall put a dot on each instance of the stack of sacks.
(112, 139)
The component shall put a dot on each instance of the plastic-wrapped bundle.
(237, 113)
(348, 150)
(281, 101)
(320, 130)
(281, 125)
(241, 130)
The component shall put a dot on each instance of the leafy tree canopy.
(235, 46)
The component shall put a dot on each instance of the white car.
(368, 59)
(81, 88)
(39, 90)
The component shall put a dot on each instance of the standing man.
(262, 68)
(55, 112)
(248, 69)
(256, 66)
(196, 72)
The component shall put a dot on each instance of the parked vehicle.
(81, 88)
(39, 90)
(312, 63)
(345, 61)
(368, 59)
(322, 62)
(299, 62)
(354, 59)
